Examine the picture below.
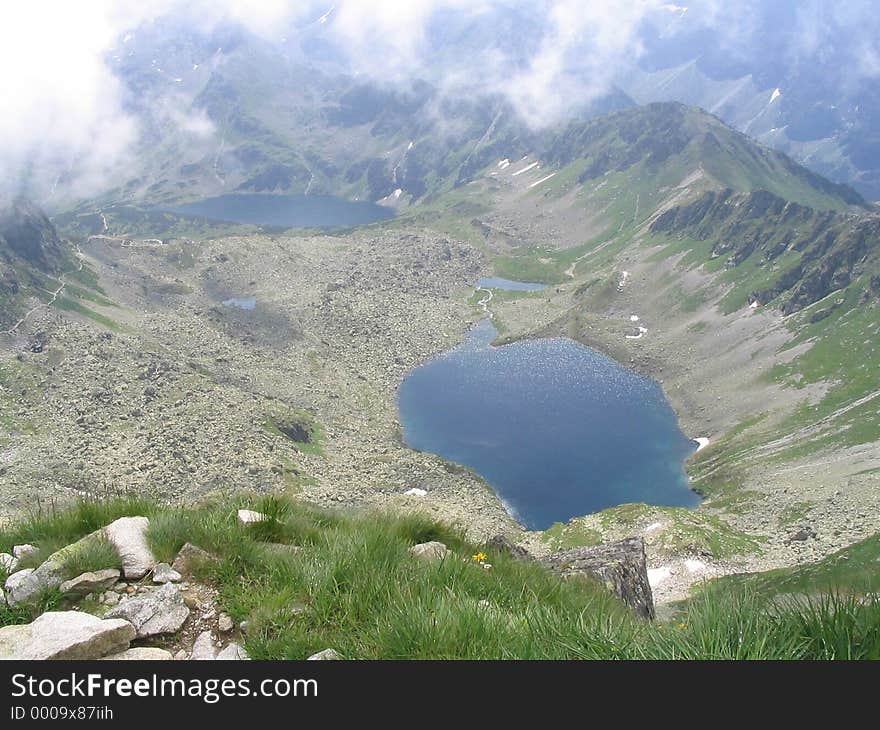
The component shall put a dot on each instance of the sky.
(64, 119)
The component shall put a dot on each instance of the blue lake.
(496, 282)
(558, 429)
(289, 211)
(248, 303)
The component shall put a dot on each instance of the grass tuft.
(309, 579)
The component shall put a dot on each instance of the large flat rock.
(619, 566)
(97, 581)
(129, 536)
(65, 635)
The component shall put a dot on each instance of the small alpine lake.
(496, 282)
(557, 429)
(289, 211)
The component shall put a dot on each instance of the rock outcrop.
(153, 612)
(65, 635)
(501, 544)
(97, 581)
(129, 536)
(619, 566)
(27, 232)
(25, 586)
(429, 550)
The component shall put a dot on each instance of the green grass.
(312, 439)
(683, 530)
(354, 586)
(51, 527)
(567, 535)
(852, 570)
(71, 305)
(97, 554)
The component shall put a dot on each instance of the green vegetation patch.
(311, 578)
(850, 571)
(71, 305)
(299, 427)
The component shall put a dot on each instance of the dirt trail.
(55, 294)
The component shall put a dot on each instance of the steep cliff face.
(27, 233)
(818, 251)
(30, 250)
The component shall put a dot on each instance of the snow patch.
(642, 332)
(416, 492)
(694, 566)
(775, 95)
(525, 169)
(702, 442)
(502, 164)
(657, 575)
(543, 179)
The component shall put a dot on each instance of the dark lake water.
(496, 282)
(558, 429)
(248, 303)
(294, 211)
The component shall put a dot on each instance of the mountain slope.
(817, 101)
(229, 111)
(822, 251)
(31, 256)
(667, 137)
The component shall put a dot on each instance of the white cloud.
(63, 124)
(64, 113)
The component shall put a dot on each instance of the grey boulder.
(22, 586)
(204, 648)
(22, 551)
(25, 586)
(189, 558)
(234, 652)
(65, 635)
(153, 612)
(164, 573)
(129, 536)
(619, 566)
(326, 655)
(141, 654)
(429, 550)
(99, 580)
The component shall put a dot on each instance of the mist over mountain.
(799, 76)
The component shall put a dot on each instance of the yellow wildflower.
(479, 557)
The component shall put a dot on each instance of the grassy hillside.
(848, 571)
(667, 136)
(351, 584)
